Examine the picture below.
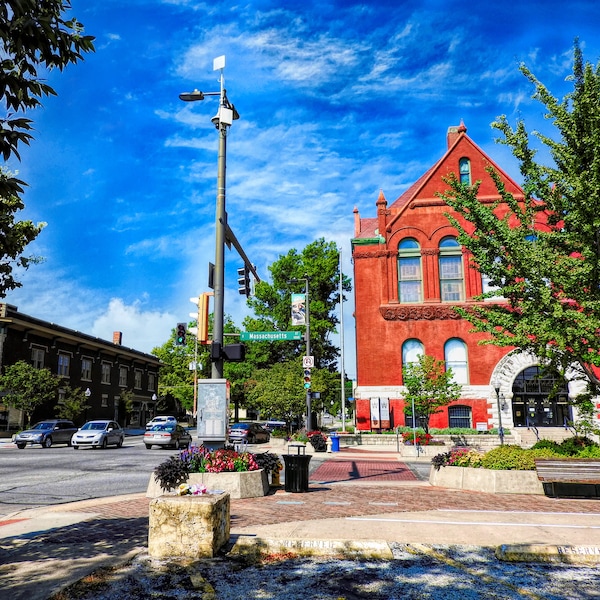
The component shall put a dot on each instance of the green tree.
(35, 38)
(542, 253)
(72, 404)
(27, 388)
(277, 391)
(319, 261)
(429, 386)
(14, 235)
(175, 376)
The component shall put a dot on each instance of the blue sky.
(337, 101)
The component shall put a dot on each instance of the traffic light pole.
(222, 120)
(220, 221)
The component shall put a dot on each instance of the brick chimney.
(454, 133)
(117, 337)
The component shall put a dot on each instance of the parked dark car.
(46, 433)
(99, 434)
(253, 433)
(174, 436)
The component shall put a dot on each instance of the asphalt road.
(35, 477)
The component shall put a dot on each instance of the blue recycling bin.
(335, 442)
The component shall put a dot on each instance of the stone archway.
(516, 406)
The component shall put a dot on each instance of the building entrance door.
(540, 399)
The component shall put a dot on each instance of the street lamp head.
(192, 96)
(496, 385)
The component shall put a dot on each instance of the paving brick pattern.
(350, 497)
(364, 471)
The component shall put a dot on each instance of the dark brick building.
(104, 369)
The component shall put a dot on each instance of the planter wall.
(487, 480)
(188, 526)
(245, 484)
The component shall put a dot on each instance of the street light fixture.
(222, 120)
(496, 386)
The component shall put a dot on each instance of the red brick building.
(409, 271)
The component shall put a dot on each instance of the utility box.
(213, 402)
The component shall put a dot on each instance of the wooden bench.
(569, 477)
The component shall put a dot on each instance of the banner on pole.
(298, 309)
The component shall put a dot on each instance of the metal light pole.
(308, 391)
(306, 280)
(496, 386)
(222, 120)
(342, 368)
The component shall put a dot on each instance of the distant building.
(409, 271)
(102, 368)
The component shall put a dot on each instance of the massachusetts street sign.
(269, 336)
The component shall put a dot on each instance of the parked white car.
(161, 420)
(99, 434)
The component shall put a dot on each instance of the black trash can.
(296, 470)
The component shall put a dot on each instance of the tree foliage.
(35, 37)
(319, 262)
(543, 253)
(26, 387)
(72, 404)
(429, 386)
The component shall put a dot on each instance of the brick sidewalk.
(348, 491)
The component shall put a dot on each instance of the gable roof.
(431, 182)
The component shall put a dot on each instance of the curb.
(588, 555)
(366, 549)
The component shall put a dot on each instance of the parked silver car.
(46, 433)
(169, 436)
(99, 434)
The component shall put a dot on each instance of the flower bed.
(237, 473)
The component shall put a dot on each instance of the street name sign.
(269, 336)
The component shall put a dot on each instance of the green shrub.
(574, 445)
(590, 452)
(279, 433)
(514, 458)
(551, 445)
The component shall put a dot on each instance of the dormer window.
(464, 169)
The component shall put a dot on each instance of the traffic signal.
(307, 379)
(244, 281)
(201, 317)
(180, 334)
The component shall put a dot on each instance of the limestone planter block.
(188, 526)
(246, 484)
(487, 480)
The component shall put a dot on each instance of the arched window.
(460, 416)
(455, 355)
(451, 271)
(464, 170)
(411, 350)
(409, 271)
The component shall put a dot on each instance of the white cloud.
(142, 329)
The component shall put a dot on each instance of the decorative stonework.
(418, 313)
(188, 526)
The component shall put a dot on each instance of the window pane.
(459, 416)
(411, 350)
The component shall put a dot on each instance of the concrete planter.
(188, 526)
(245, 484)
(486, 480)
